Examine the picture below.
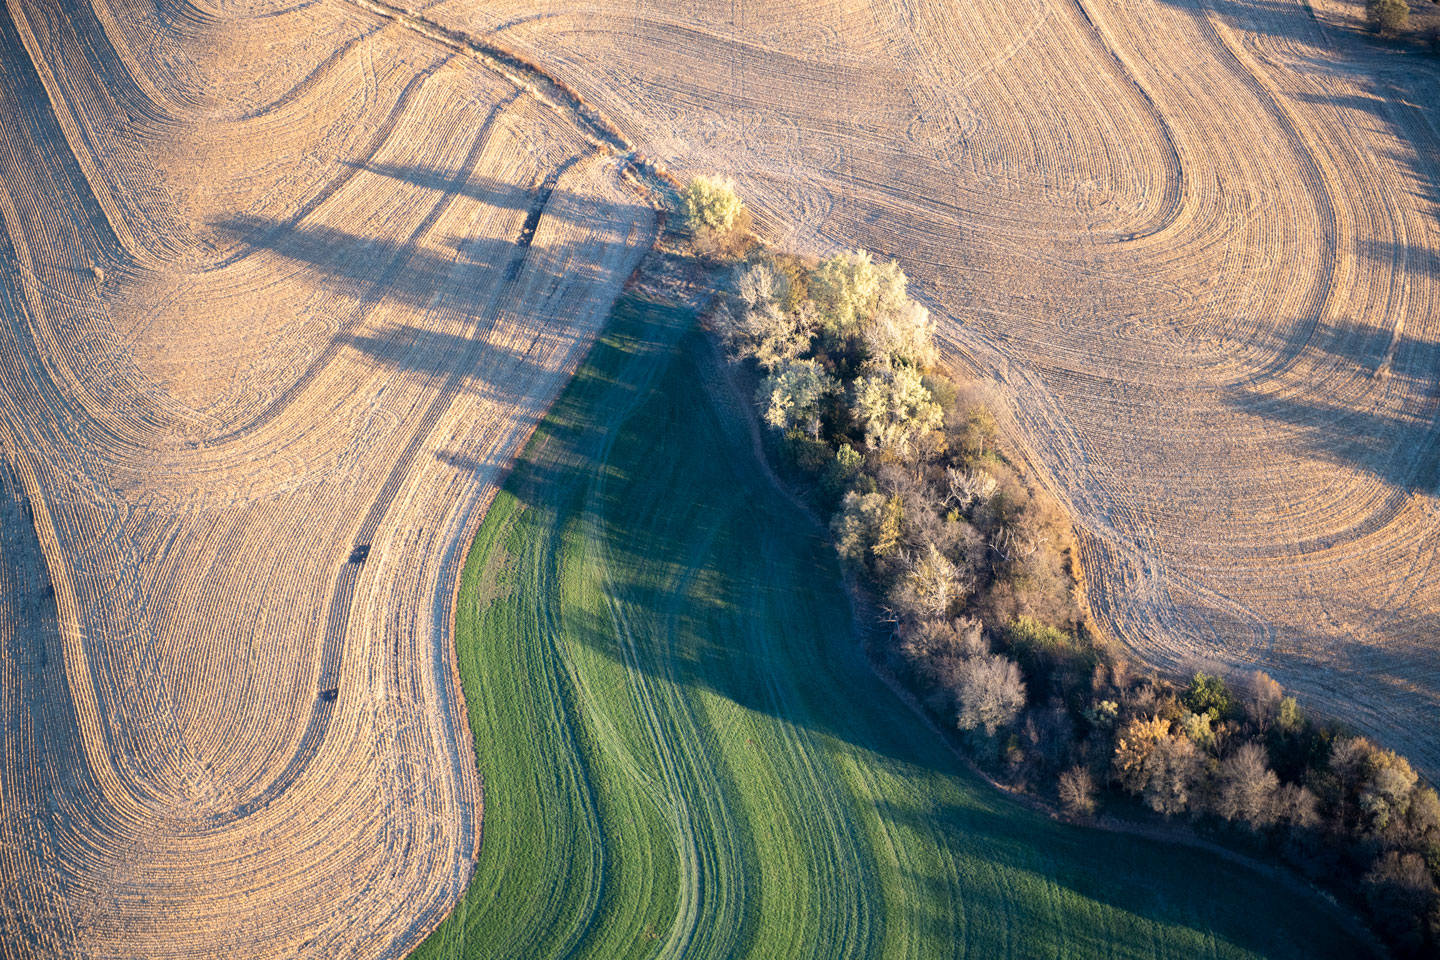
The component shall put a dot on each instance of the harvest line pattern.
(1192, 243)
(242, 336)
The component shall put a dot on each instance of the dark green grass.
(685, 754)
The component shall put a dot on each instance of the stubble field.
(1193, 241)
(282, 290)
(284, 287)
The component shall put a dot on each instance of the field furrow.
(282, 291)
(1193, 241)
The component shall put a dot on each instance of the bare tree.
(1263, 702)
(1175, 770)
(1077, 790)
(930, 585)
(1247, 787)
(964, 487)
(1297, 806)
(989, 692)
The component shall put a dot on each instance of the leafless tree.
(1263, 702)
(989, 692)
(1246, 787)
(1077, 790)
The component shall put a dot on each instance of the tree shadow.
(712, 584)
(474, 284)
(1293, 21)
(1135, 876)
(489, 190)
(480, 276)
(1395, 87)
(1398, 445)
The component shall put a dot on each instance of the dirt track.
(282, 291)
(1195, 242)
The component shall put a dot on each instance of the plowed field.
(1194, 241)
(282, 291)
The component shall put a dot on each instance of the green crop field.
(685, 754)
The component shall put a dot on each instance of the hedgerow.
(972, 567)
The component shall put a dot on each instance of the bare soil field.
(283, 288)
(1193, 241)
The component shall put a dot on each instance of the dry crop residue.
(1194, 241)
(283, 287)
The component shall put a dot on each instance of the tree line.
(974, 570)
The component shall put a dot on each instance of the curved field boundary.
(243, 441)
(1192, 242)
(686, 754)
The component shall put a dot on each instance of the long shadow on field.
(488, 190)
(471, 283)
(1395, 90)
(701, 564)
(1133, 875)
(1297, 22)
(453, 362)
(460, 274)
(1399, 443)
(712, 585)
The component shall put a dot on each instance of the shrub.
(1289, 719)
(944, 390)
(1197, 727)
(1388, 16)
(760, 283)
(1102, 714)
(1053, 659)
(843, 468)
(1029, 639)
(973, 431)
(717, 216)
(711, 203)
(806, 454)
(1423, 820)
(968, 485)
(1210, 694)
